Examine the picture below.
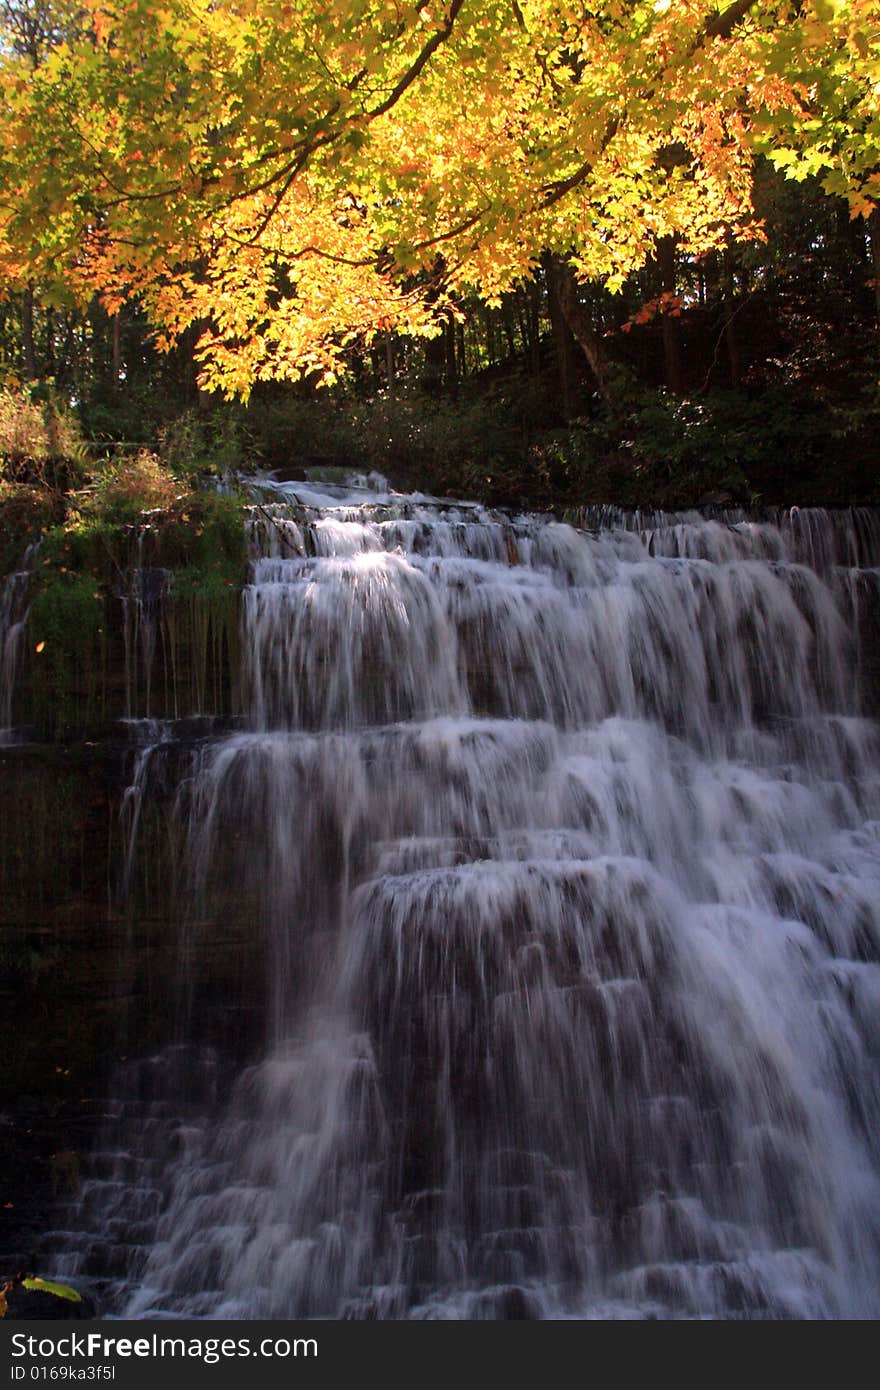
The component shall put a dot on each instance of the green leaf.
(46, 1286)
(781, 158)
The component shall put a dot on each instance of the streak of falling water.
(566, 853)
(14, 609)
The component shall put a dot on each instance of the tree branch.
(439, 37)
(717, 26)
(554, 191)
(722, 25)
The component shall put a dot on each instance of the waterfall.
(557, 852)
(14, 609)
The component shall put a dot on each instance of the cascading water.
(562, 854)
(14, 608)
(141, 608)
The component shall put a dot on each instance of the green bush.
(25, 511)
(40, 441)
(127, 486)
(204, 535)
(196, 443)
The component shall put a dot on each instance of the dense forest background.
(748, 377)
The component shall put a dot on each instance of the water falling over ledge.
(558, 852)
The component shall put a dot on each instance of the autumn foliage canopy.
(290, 178)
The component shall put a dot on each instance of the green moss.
(211, 582)
(67, 640)
(205, 533)
(96, 550)
(93, 654)
(200, 625)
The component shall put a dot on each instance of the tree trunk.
(28, 351)
(507, 321)
(562, 338)
(731, 337)
(389, 363)
(50, 343)
(434, 362)
(449, 342)
(535, 304)
(69, 356)
(583, 332)
(491, 350)
(874, 237)
(671, 344)
(116, 366)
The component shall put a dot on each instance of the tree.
(298, 177)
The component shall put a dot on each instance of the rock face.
(58, 972)
(506, 949)
(89, 965)
(98, 641)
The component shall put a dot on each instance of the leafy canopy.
(293, 177)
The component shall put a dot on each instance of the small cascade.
(142, 603)
(180, 646)
(552, 858)
(14, 608)
(849, 538)
(149, 736)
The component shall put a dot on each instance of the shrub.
(40, 442)
(195, 443)
(128, 486)
(25, 511)
(205, 533)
